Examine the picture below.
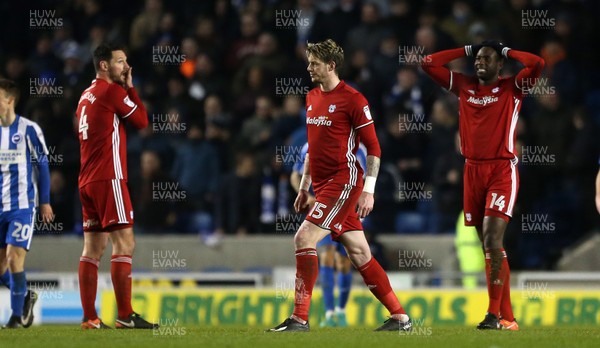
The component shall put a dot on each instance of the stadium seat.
(410, 222)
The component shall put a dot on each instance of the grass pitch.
(51, 336)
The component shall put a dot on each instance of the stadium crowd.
(224, 81)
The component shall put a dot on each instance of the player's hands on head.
(365, 204)
(499, 47)
(46, 213)
(471, 50)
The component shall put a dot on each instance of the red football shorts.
(335, 209)
(490, 189)
(106, 206)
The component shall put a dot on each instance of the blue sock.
(344, 284)
(5, 279)
(18, 289)
(327, 282)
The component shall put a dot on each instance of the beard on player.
(118, 77)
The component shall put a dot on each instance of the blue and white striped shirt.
(23, 166)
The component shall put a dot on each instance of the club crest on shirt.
(332, 108)
(495, 90)
(16, 138)
(367, 112)
(128, 102)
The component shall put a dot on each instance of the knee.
(14, 261)
(124, 246)
(492, 240)
(359, 255)
(303, 239)
(94, 250)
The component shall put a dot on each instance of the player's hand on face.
(129, 78)
(301, 202)
(365, 204)
(46, 213)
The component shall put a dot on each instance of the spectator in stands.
(369, 33)
(207, 79)
(146, 24)
(196, 168)
(218, 132)
(61, 197)
(238, 207)
(410, 93)
(457, 23)
(255, 135)
(247, 42)
(268, 57)
(155, 196)
(336, 24)
(448, 187)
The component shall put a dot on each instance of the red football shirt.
(334, 120)
(101, 111)
(488, 114)
(487, 117)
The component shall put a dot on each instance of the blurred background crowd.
(223, 137)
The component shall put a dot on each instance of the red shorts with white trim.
(490, 189)
(106, 206)
(335, 209)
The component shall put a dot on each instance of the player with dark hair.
(489, 107)
(337, 119)
(26, 184)
(102, 111)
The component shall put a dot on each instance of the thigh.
(473, 195)
(111, 203)
(19, 229)
(333, 206)
(502, 191)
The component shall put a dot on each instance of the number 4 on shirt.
(499, 202)
(83, 125)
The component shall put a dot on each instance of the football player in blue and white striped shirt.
(25, 180)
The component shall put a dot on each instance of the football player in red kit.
(102, 111)
(488, 111)
(337, 120)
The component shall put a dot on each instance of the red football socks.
(496, 269)
(88, 285)
(506, 311)
(307, 270)
(378, 282)
(120, 271)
